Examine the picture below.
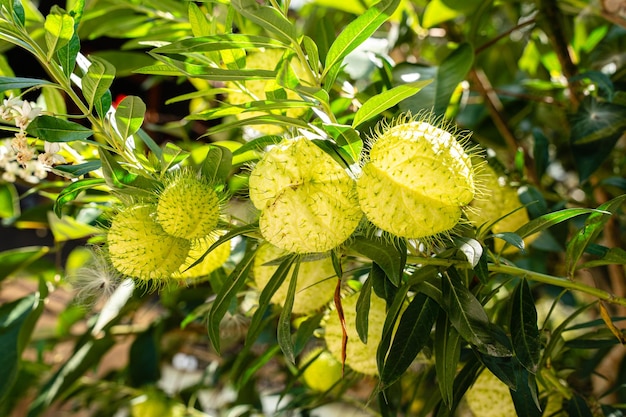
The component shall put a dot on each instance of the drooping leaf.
(464, 379)
(69, 228)
(383, 101)
(411, 336)
(524, 330)
(541, 155)
(277, 279)
(129, 116)
(14, 331)
(217, 164)
(363, 309)
(386, 255)
(357, 31)
(393, 313)
(284, 338)
(467, 315)
(590, 231)
(18, 83)
(612, 256)
(447, 353)
(69, 193)
(97, 80)
(13, 260)
(80, 169)
(53, 129)
(268, 18)
(59, 29)
(67, 55)
(224, 297)
(525, 397)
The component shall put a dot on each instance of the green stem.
(535, 276)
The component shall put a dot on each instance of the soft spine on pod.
(139, 247)
(416, 180)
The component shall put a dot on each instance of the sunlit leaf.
(129, 116)
(217, 43)
(9, 201)
(97, 80)
(548, 220)
(268, 18)
(357, 31)
(13, 260)
(385, 100)
(69, 193)
(59, 30)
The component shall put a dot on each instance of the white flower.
(26, 114)
(50, 157)
(9, 108)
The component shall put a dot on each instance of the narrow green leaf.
(313, 56)
(85, 357)
(512, 239)
(590, 231)
(447, 353)
(541, 154)
(268, 18)
(612, 256)
(97, 80)
(285, 340)
(13, 260)
(466, 313)
(69, 193)
(411, 336)
(386, 255)
(277, 279)
(524, 330)
(393, 312)
(363, 309)
(525, 396)
(551, 219)
(218, 43)
(80, 169)
(13, 319)
(129, 116)
(59, 29)
(385, 100)
(9, 201)
(258, 144)
(227, 293)
(144, 358)
(465, 378)
(305, 332)
(175, 67)
(18, 83)
(357, 31)
(200, 25)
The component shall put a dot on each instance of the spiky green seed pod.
(316, 280)
(188, 207)
(416, 180)
(307, 200)
(140, 248)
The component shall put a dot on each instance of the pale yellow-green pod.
(307, 200)
(139, 247)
